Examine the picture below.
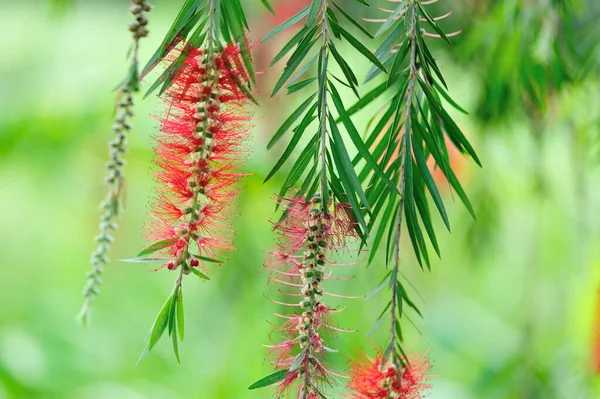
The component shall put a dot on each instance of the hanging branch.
(112, 206)
(206, 87)
(413, 127)
(325, 188)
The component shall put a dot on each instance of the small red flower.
(380, 379)
(199, 154)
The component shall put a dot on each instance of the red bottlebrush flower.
(306, 238)
(380, 379)
(199, 153)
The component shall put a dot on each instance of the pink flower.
(307, 237)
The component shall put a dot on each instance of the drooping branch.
(206, 88)
(112, 206)
(413, 126)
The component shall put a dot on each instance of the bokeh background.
(511, 310)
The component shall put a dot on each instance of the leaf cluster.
(324, 164)
(206, 24)
(411, 127)
(556, 47)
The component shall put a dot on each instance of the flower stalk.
(307, 238)
(112, 206)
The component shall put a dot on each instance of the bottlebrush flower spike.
(199, 155)
(307, 236)
(381, 379)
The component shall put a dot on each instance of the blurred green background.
(510, 311)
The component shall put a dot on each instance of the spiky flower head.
(381, 379)
(199, 155)
(307, 238)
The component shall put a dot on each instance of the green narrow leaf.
(346, 70)
(298, 361)
(175, 344)
(366, 99)
(180, 316)
(433, 24)
(445, 167)
(315, 8)
(267, 4)
(385, 309)
(391, 230)
(298, 168)
(414, 231)
(429, 182)
(377, 325)
(172, 311)
(290, 45)
(206, 259)
(447, 97)
(199, 274)
(294, 62)
(156, 246)
(352, 20)
(387, 216)
(314, 387)
(361, 48)
(379, 287)
(299, 131)
(452, 129)
(398, 330)
(409, 302)
(395, 16)
(302, 71)
(423, 210)
(160, 324)
(269, 380)
(356, 215)
(287, 124)
(355, 137)
(344, 162)
(146, 260)
(187, 12)
(399, 298)
(288, 23)
(300, 85)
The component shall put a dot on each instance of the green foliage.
(206, 24)
(413, 127)
(555, 49)
(171, 318)
(324, 164)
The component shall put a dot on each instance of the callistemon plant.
(308, 239)
(331, 194)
